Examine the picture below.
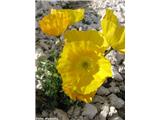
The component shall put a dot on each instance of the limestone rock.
(90, 111)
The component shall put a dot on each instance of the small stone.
(61, 114)
(80, 118)
(114, 89)
(115, 57)
(103, 91)
(51, 115)
(116, 75)
(121, 69)
(90, 111)
(55, 118)
(98, 99)
(44, 114)
(121, 112)
(70, 111)
(116, 101)
(113, 84)
(98, 106)
(112, 110)
(104, 112)
(77, 111)
(115, 117)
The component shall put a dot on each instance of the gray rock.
(115, 57)
(80, 118)
(98, 106)
(53, 118)
(61, 114)
(98, 99)
(105, 110)
(77, 111)
(103, 91)
(121, 69)
(114, 89)
(113, 84)
(51, 114)
(115, 118)
(70, 111)
(44, 114)
(116, 75)
(116, 101)
(90, 111)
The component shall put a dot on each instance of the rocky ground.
(109, 102)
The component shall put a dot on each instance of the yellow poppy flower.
(113, 32)
(57, 21)
(82, 66)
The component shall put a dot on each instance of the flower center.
(85, 65)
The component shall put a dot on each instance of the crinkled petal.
(90, 36)
(74, 15)
(114, 33)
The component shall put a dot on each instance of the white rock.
(115, 57)
(61, 114)
(104, 112)
(117, 76)
(90, 111)
(112, 110)
(39, 53)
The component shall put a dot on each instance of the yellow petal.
(114, 33)
(74, 15)
(90, 36)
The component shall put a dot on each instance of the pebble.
(115, 118)
(121, 69)
(116, 101)
(90, 111)
(98, 106)
(115, 57)
(114, 89)
(77, 111)
(99, 99)
(70, 111)
(61, 114)
(103, 91)
(44, 113)
(116, 75)
(112, 111)
(104, 112)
